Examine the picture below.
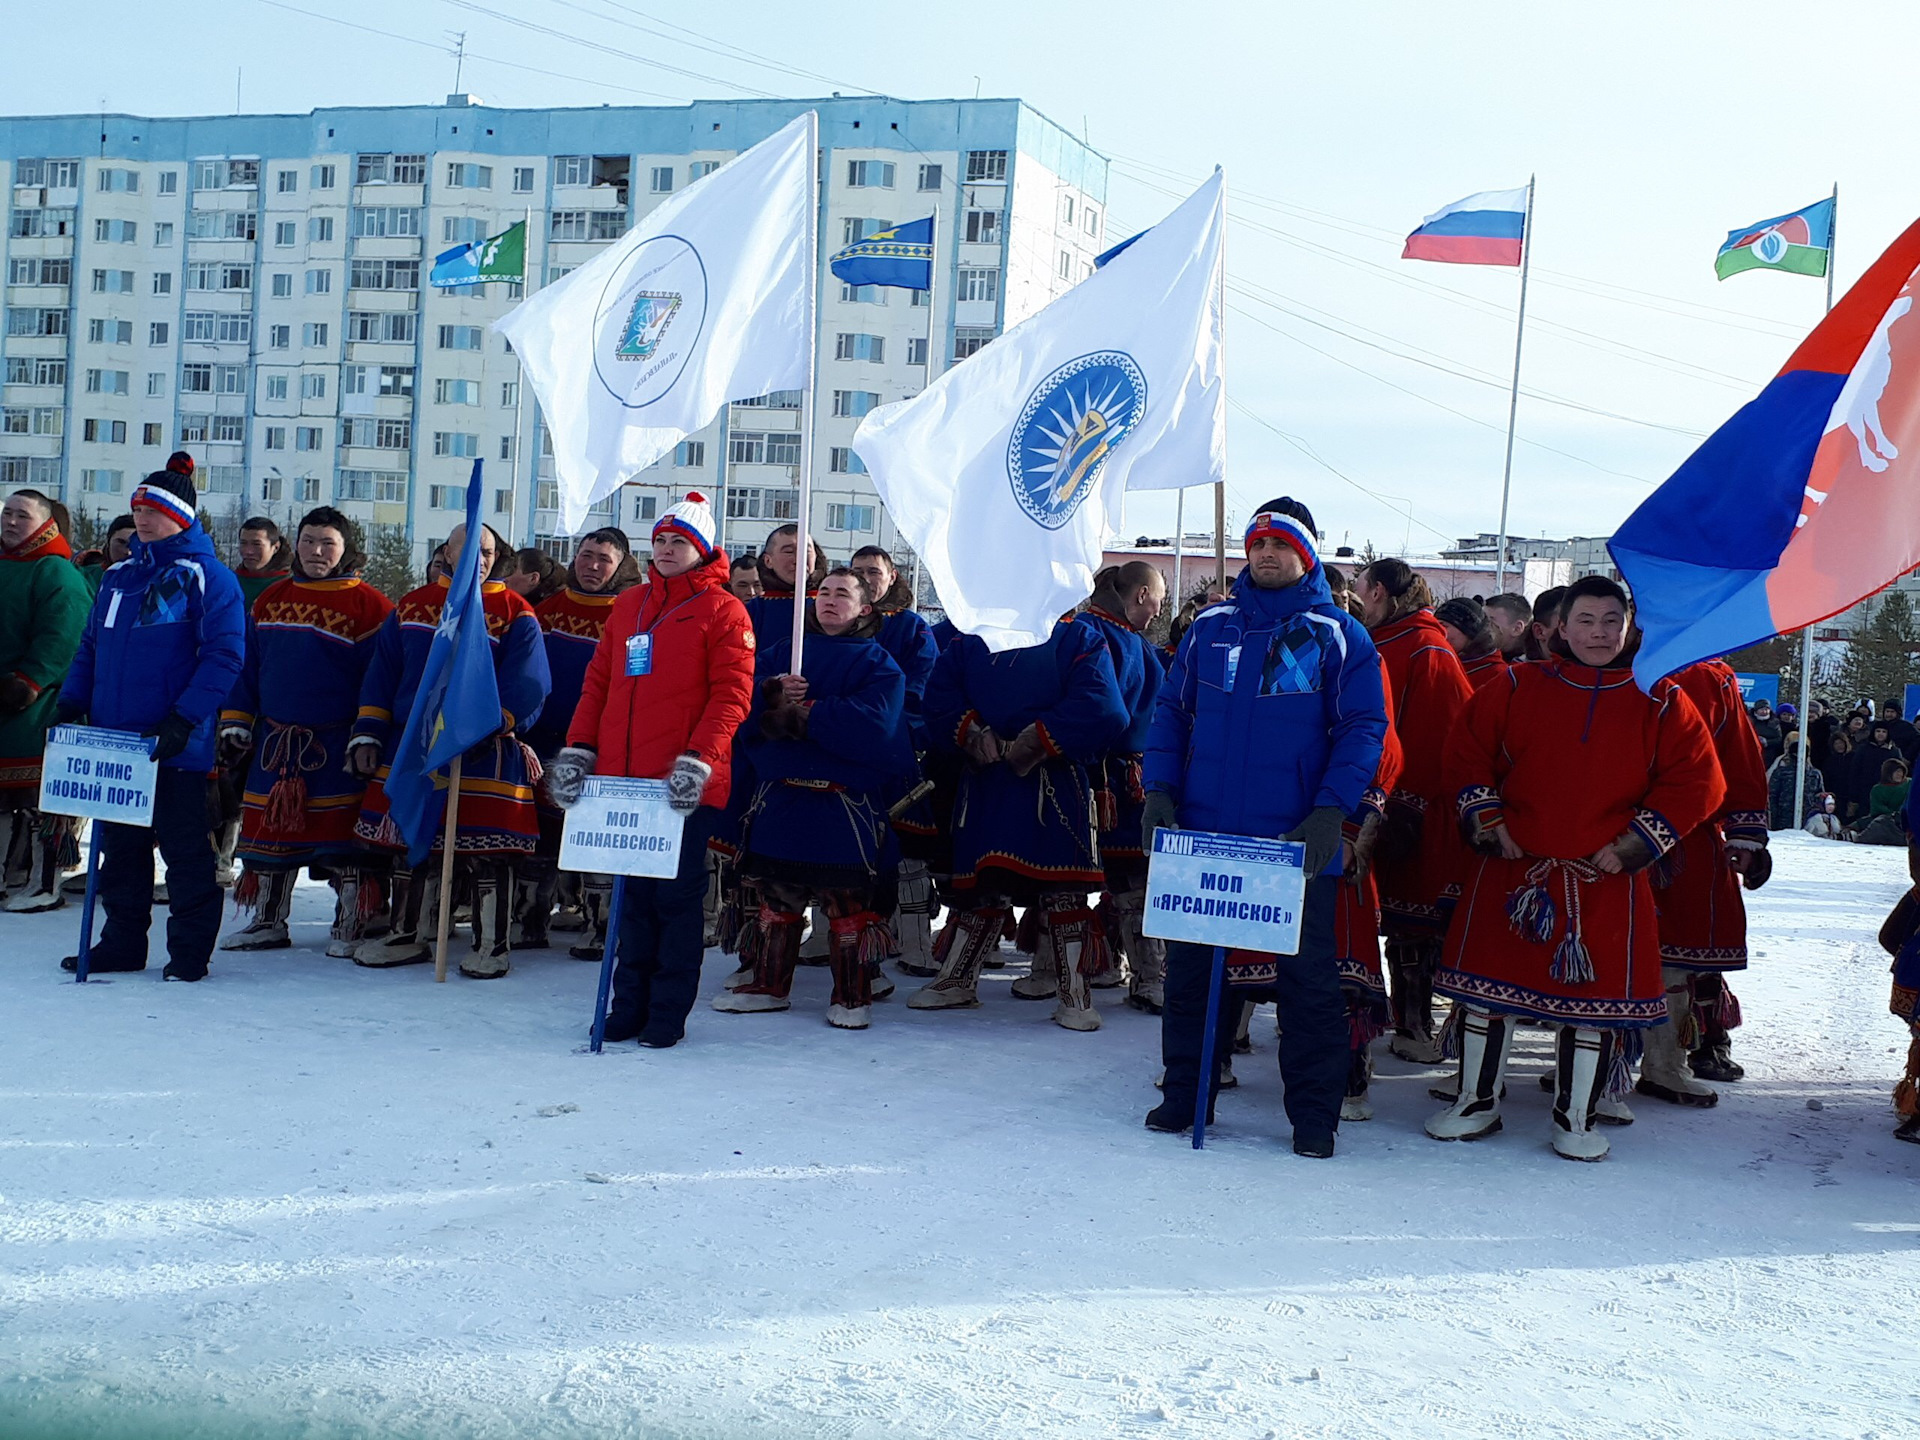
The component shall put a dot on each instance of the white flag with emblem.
(708, 299)
(1006, 474)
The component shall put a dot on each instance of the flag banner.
(1805, 502)
(901, 257)
(1798, 243)
(458, 702)
(498, 257)
(1100, 260)
(706, 300)
(1483, 229)
(1006, 473)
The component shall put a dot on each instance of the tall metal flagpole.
(1179, 543)
(803, 549)
(1806, 635)
(1220, 486)
(519, 391)
(933, 310)
(1513, 401)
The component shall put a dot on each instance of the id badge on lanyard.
(640, 654)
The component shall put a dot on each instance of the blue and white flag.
(708, 299)
(1006, 474)
(458, 702)
(900, 256)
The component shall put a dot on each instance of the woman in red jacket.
(669, 684)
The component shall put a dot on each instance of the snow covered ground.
(308, 1200)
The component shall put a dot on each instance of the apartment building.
(254, 289)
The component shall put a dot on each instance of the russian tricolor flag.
(1805, 502)
(1484, 229)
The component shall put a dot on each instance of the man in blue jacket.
(1269, 724)
(161, 651)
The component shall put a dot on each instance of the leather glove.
(170, 736)
(567, 774)
(235, 742)
(1363, 845)
(1632, 852)
(363, 757)
(1757, 868)
(1162, 812)
(69, 712)
(687, 782)
(983, 747)
(16, 694)
(1027, 751)
(1320, 832)
(1399, 832)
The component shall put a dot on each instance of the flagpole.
(1513, 401)
(803, 550)
(1179, 543)
(1806, 635)
(450, 843)
(519, 391)
(1220, 486)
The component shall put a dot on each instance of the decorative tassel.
(1531, 913)
(752, 937)
(1628, 1046)
(1450, 1032)
(1026, 938)
(1366, 1022)
(246, 891)
(1106, 810)
(1096, 954)
(371, 896)
(1726, 1010)
(66, 853)
(286, 805)
(535, 770)
(1133, 781)
(943, 941)
(874, 938)
(1572, 964)
(1688, 1036)
(1906, 1095)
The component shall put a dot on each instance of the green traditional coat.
(44, 602)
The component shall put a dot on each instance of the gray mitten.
(567, 775)
(687, 782)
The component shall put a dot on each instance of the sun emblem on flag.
(1069, 429)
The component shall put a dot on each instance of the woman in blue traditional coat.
(286, 726)
(498, 825)
(828, 745)
(1029, 723)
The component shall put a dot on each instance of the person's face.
(1274, 563)
(255, 549)
(1509, 630)
(1458, 639)
(1856, 724)
(673, 554)
(840, 604)
(489, 552)
(781, 553)
(19, 518)
(594, 563)
(1880, 735)
(1762, 710)
(150, 525)
(119, 545)
(745, 582)
(877, 573)
(1595, 629)
(1145, 602)
(1543, 631)
(1375, 601)
(319, 548)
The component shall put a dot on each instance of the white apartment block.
(253, 289)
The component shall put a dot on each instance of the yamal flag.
(1799, 243)
(457, 704)
(900, 256)
(498, 257)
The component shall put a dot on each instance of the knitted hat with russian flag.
(693, 518)
(170, 491)
(1291, 522)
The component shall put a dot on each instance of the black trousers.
(181, 830)
(1313, 1019)
(661, 941)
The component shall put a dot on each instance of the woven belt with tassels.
(1534, 916)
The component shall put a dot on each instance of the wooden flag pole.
(450, 841)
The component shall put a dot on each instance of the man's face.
(319, 548)
(1762, 710)
(19, 518)
(745, 582)
(489, 552)
(1376, 602)
(1273, 563)
(1595, 629)
(1145, 602)
(1545, 630)
(1456, 638)
(593, 565)
(877, 573)
(1509, 630)
(119, 545)
(673, 554)
(151, 525)
(255, 549)
(839, 604)
(1889, 710)
(780, 553)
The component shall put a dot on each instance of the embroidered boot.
(1146, 956)
(913, 925)
(415, 919)
(492, 955)
(1664, 1071)
(855, 939)
(776, 952)
(1484, 1042)
(267, 929)
(1581, 1059)
(974, 933)
(1071, 935)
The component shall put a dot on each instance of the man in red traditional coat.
(1571, 782)
(1418, 859)
(1703, 920)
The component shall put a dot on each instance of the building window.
(276, 387)
(37, 320)
(749, 502)
(227, 479)
(385, 221)
(690, 455)
(234, 329)
(396, 382)
(116, 232)
(109, 332)
(320, 230)
(286, 182)
(462, 230)
(377, 434)
(929, 177)
(320, 177)
(153, 433)
(223, 225)
(572, 170)
(979, 284)
(370, 169)
(646, 507)
(509, 394)
(1066, 209)
(313, 387)
(104, 432)
(857, 518)
(113, 282)
(1090, 220)
(457, 444)
(966, 341)
(456, 392)
(865, 174)
(285, 233)
(119, 182)
(313, 335)
(461, 337)
(307, 437)
(156, 384)
(169, 182)
(162, 234)
(109, 382)
(319, 282)
(660, 180)
(29, 370)
(700, 169)
(384, 275)
(863, 294)
(447, 497)
(843, 461)
(774, 400)
(860, 347)
(567, 225)
(754, 447)
(276, 437)
(1066, 265)
(282, 286)
(279, 337)
(162, 282)
(854, 403)
(854, 229)
(522, 179)
(469, 177)
(986, 165)
(917, 350)
(983, 227)
(102, 482)
(229, 429)
(606, 224)
(193, 429)
(409, 170)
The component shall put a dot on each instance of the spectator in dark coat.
(1868, 764)
(1768, 729)
(1899, 730)
(1782, 812)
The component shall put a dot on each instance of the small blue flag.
(458, 702)
(1105, 255)
(901, 257)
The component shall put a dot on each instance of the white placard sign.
(101, 774)
(1230, 890)
(622, 826)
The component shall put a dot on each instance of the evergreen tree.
(390, 561)
(1879, 658)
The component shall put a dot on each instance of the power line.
(534, 26)
(724, 49)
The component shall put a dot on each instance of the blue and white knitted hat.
(693, 518)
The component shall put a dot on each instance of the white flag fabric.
(1006, 474)
(707, 300)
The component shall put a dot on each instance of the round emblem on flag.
(1068, 430)
(649, 321)
(1771, 247)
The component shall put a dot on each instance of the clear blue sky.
(1654, 128)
